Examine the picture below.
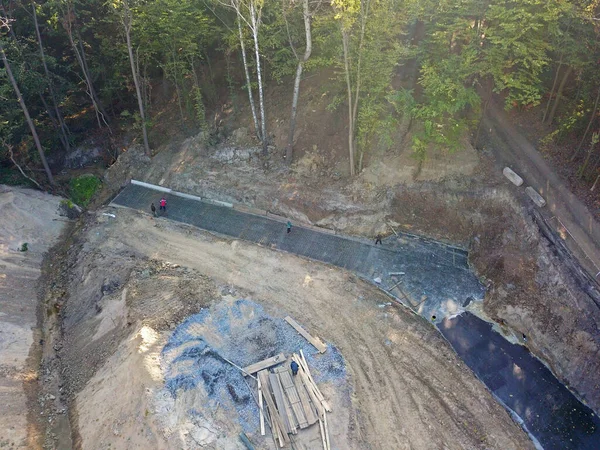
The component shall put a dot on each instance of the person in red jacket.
(163, 204)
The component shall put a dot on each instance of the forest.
(79, 70)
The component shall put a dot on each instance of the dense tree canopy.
(92, 67)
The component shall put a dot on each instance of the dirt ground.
(462, 199)
(406, 388)
(27, 217)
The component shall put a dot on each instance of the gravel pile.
(240, 331)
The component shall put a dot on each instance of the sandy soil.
(530, 291)
(27, 217)
(407, 387)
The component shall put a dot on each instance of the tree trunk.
(83, 65)
(595, 183)
(583, 167)
(589, 125)
(126, 20)
(263, 120)
(363, 25)
(248, 83)
(553, 88)
(36, 139)
(559, 93)
(345, 39)
(64, 131)
(301, 62)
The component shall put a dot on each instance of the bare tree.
(253, 8)
(248, 82)
(345, 45)
(126, 21)
(301, 61)
(255, 18)
(36, 139)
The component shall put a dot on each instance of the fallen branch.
(12, 158)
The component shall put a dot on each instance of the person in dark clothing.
(289, 226)
(378, 239)
(163, 204)
(153, 208)
(294, 366)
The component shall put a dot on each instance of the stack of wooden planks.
(292, 402)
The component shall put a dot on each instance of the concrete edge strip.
(152, 186)
(266, 213)
(181, 194)
(259, 213)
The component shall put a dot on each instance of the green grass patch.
(83, 188)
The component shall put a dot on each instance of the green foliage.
(83, 188)
(24, 247)
(515, 46)
(199, 108)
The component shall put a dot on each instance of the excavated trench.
(432, 279)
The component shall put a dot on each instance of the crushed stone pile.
(242, 332)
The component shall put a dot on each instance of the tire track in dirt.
(408, 389)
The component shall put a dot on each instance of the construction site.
(240, 319)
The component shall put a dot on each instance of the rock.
(69, 209)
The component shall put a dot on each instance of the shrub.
(83, 189)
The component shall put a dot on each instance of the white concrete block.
(537, 198)
(512, 176)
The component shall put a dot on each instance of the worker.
(289, 226)
(153, 209)
(294, 366)
(378, 239)
(163, 204)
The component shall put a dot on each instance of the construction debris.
(315, 341)
(293, 401)
(265, 364)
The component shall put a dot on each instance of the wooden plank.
(276, 419)
(326, 431)
(288, 407)
(318, 392)
(309, 409)
(311, 393)
(260, 409)
(322, 430)
(306, 370)
(265, 364)
(315, 341)
(280, 403)
(293, 397)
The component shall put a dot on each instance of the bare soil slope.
(27, 217)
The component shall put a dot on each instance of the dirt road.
(564, 211)
(407, 387)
